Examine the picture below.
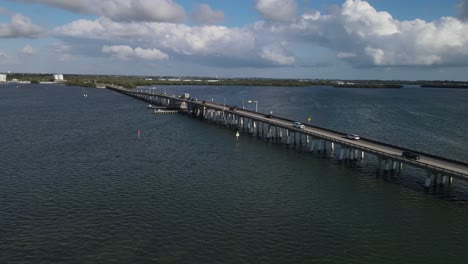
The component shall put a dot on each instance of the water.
(77, 186)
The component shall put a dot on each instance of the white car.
(352, 136)
(298, 125)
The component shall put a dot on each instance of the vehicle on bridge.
(232, 108)
(268, 115)
(410, 155)
(298, 125)
(352, 136)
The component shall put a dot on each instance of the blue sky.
(324, 39)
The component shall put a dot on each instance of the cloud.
(19, 27)
(203, 14)
(361, 35)
(28, 50)
(122, 10)
(176, 38)
(277, 54)
(355, 32)
(124, 52)
(276, 10)
(79, 6)
(463, 10)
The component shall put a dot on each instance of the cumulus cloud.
(203, 14)
(277, 54)
(28, 50)
(355, 32)
(80, 6)
(122, 10)
(124, 52)
(176, 38)
(365, 37)
(276, 10)
(19, 27)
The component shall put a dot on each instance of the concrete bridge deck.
(433, 164)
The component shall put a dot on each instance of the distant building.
(58, 77)
(3, 78)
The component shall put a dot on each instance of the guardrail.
(339, 141)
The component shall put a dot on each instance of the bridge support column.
(362, 154)
(342, 151)
(445, 180)
(288, 137)
(387, 164)
(429, 179)
(269, 133)
(312, 144)
(258, 128)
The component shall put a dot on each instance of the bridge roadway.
(445, 167)
(431, 163)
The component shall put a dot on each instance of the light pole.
(256, 104)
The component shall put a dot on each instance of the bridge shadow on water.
(409, 178)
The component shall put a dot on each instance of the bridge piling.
(342, 151)
(257, 123)
(429, 179)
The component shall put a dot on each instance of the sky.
(300, 39)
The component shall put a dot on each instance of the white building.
(3, 78)
(58, 77)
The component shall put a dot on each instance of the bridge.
(439, 170)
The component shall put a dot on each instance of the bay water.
(77, 185)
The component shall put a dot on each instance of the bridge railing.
(378, 152)
(338, 141)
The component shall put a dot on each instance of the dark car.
(268, 115)
(232, 108)
(410, 155)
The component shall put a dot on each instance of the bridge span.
(440, 170)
